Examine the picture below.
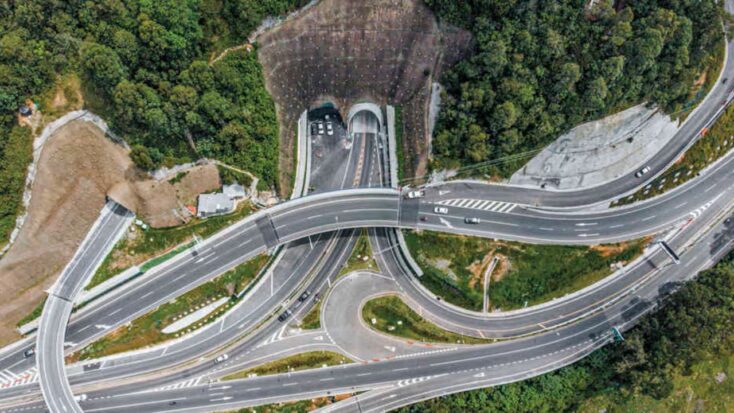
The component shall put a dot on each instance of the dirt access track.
(347, 51)
(77, 167)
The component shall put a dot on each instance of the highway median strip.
(150, 329)
(303, 361)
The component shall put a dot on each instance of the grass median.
(455, 267)
(390, 315)
(303, 361)
(148, 329)
(361, 258)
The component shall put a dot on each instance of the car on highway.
(284, 315)
(80, 397)
(29, 352)
(416, 194)
(221, 358)
(423, 218)
(642, 171)
(441, 210)
(329, 129)
(724, 81)
(471, 220)
(304, 296)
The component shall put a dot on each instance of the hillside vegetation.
(542, 67)
(144, 66)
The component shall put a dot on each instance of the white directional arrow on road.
(447, 223)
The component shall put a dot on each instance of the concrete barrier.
(392, 146)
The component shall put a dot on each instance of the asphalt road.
(112, 222)
(386, 209)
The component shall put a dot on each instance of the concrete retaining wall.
(392, 146)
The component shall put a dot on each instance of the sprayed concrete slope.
(599, 151)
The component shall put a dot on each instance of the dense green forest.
(144, 67)
(542, 67)
(696, 323)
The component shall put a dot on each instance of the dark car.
(304, 296)
(29, 352)
(284, 315)
(314, 128)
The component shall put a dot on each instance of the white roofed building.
(214, 204)
(234, 191)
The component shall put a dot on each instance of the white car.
(441, 210)
(642, 171)
(221, 358)
(329, 129)
(80, 397)
(416, 194)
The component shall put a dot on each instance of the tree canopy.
(145, 68)
(540, 68)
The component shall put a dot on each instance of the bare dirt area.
(163, 203)
(347, 51)
(77, 167)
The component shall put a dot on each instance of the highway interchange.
(318, 235)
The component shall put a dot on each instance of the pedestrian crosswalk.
(10, 379)
(485, 205)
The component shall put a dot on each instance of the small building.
(214, 204)
(234, 191)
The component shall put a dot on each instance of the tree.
(141, 157)
(504, 116)
(103, 66)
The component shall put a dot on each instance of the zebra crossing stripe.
(497, 207)
(474, 204)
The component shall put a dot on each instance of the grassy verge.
(454, 268)
(34, 314)
(312, 320)
(361, 258)
(392, 316)
(148, 329)
(140, 246)
(301, 406)
(303, 361)
(714, 63)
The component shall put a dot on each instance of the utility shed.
(234, 191)
(214, 204)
